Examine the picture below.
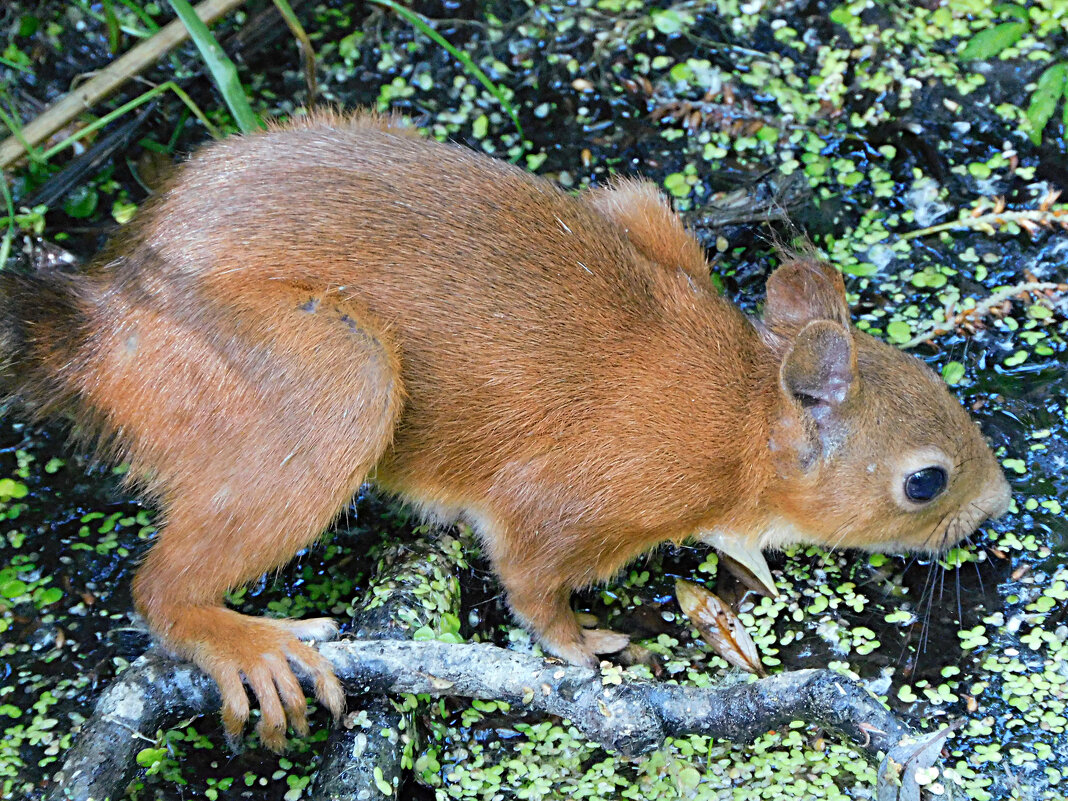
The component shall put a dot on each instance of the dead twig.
(1031, 220)
(979, 310)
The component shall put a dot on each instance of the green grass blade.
(141, 14)
(306, 49)
(12, 65)
(170, 86)
(9, 234)
(12, 124)
(223, 71)
(423, 26)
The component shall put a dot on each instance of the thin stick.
(982, 308)
(1046, 217)
(1031, 220)
(108, 80)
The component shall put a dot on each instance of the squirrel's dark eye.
(925, 485)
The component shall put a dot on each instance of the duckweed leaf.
(718, 626)
(82, 202)
(953, 373)
(899, 331)
(147, 757)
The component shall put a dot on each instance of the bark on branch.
(363, 758)
(630, 717)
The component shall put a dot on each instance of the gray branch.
(630, 717)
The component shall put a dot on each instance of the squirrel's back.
(520, 311)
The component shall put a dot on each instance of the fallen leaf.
(718, 626)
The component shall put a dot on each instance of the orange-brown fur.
(339, 300)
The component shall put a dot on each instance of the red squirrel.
(338, 300)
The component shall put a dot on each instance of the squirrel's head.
(870, 448)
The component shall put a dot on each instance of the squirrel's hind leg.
(254, 433)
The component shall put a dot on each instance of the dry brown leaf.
(718, 626)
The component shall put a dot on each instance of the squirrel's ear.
(818, 376)
(820, 370)
(803, 290)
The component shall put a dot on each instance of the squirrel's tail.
(43, 336)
